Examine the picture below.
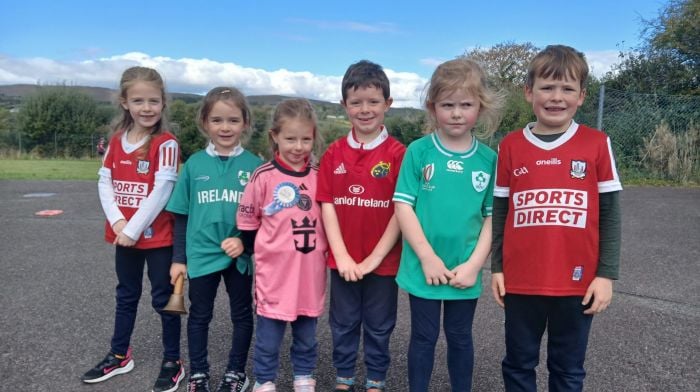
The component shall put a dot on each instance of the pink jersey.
(550, 243)
(133, 175)
(290, 247)
(359, 179)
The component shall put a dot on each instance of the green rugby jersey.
(208, 190)
(451, 193)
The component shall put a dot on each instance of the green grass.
(49, 169)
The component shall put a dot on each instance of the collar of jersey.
(445, 151)
(383, 135)
(289, 171)
(568, 134)
(211, 151)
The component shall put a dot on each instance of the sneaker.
(199, 382)
(233, 382)
(109, 367)
(304, 384)
(171, 373)
(267, 387)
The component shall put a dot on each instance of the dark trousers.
(425, 328)
(202, 295)
(368, 305)
(268, 339)
(527, 316)
(129, 263)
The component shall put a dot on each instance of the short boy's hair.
(364, 74)
(559, 62)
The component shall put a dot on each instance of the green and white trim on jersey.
(451, 194)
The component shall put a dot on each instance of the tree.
(56, 114)
(182, 118)
(505, 63)
(668, 60)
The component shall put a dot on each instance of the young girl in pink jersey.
(137, 176)
(290, 247)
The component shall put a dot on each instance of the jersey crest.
(578, 169)
(480, 180)
(380, 170)
(142, 167)
(243, 177)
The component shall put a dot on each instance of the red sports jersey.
(133, 176)
(550, 243)
(359, 179)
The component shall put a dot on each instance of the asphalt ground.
(57, 303)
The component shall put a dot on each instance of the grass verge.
(49, 169)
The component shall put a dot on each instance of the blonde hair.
(559, 62)
(289, 109)
(228, 94)
(124, 121)
(468, 75)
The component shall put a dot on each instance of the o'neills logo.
(550, 207)
(547, 162)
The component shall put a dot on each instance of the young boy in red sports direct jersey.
(356, 182)
(556, 227)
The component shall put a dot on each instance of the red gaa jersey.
(133, 175)
(551, 243)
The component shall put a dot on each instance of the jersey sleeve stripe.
(404, 198)
(501, 191)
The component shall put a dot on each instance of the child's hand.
(369, 264)
(124, 240)
(498, 288)
(600, 291)
(435, 271)
(348, 269)
(465, 276)
(118, 226)
(177, 269)
(232, 246)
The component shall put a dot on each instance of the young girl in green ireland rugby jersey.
(443, 204)
(207, 245)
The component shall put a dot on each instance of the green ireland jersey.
(208, 190)
(451, 194)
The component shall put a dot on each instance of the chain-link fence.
(653, 135)
(53, 145)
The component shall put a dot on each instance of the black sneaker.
(233, 382)
(199, 382)
(109, 367)
(171, 373)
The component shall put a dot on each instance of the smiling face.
(456, 114)
(144, 102)
(554, 102)
(294, 141)
(365, 107)
(224, 125)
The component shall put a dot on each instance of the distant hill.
(13, 94)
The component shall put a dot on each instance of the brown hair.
(124, 121)
(559, 62)
(462, 73)
(365, 73)
(229, 94)
(289, 109)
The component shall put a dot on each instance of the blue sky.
(293, 47)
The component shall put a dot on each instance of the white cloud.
(190, 75)
(431, 62)
(600, 62)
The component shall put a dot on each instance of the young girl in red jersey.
(138, 173)
(290, 247)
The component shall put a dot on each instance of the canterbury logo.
(455, 166)
(340, 169)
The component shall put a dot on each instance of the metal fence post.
(601, 100)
